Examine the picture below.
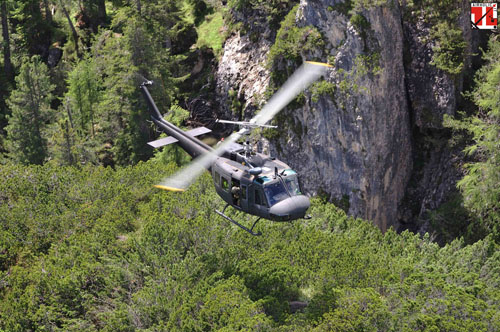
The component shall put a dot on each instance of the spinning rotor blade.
(245, 124)
(299, 81)
(181, 180)
(306, 74)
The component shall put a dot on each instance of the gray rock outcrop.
(242, 71)
(355, 146)
(355, 143)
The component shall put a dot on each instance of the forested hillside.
(77, 65)
(403, 131)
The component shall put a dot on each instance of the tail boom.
(193, 146)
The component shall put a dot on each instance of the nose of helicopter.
(291, 208)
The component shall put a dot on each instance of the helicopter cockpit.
(282, 186)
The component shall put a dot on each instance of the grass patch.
(291, 44)
(209, 32)
(188, 11)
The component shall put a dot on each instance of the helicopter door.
(260, 201)
(244, 197)
(236, 192)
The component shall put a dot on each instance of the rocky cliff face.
(431, 94)
(242, 75)
(354, 141)
(431, 91)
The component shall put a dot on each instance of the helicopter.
(252, 182)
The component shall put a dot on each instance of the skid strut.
(237, 223)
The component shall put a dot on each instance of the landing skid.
(237, 223)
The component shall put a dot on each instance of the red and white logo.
(483, 15)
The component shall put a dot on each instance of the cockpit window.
(292, 185)
(275, 192)
(259, 197)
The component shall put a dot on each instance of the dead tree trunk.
(73, 30)
(7, 64)
(48, 12)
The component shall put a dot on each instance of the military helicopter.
(251, 182)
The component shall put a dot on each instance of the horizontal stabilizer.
(169, 140)
(162, 142)
(198, 131)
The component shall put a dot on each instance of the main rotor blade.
(245, 123)
(299, 81)
(181, 180)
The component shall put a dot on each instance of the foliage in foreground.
(97, 249)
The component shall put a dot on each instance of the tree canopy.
(30, 107)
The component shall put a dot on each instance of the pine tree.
(119, 98)
(7, 64)
(30, 107)
(7, 74)
(480, 185)
(33, 29)
(74, 33)
(84, 84)
(74, 136)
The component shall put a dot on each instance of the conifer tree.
(7, 64)
(84, 84)
(30, 107)
(74, 33)
(33, 29)
(7, 74)
(480, 184)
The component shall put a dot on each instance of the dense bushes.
(97, 249)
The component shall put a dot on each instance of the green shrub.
(449, 53)
(100, 249)
(292, 42)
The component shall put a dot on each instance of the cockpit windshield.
(292, 184)
(275, 192)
